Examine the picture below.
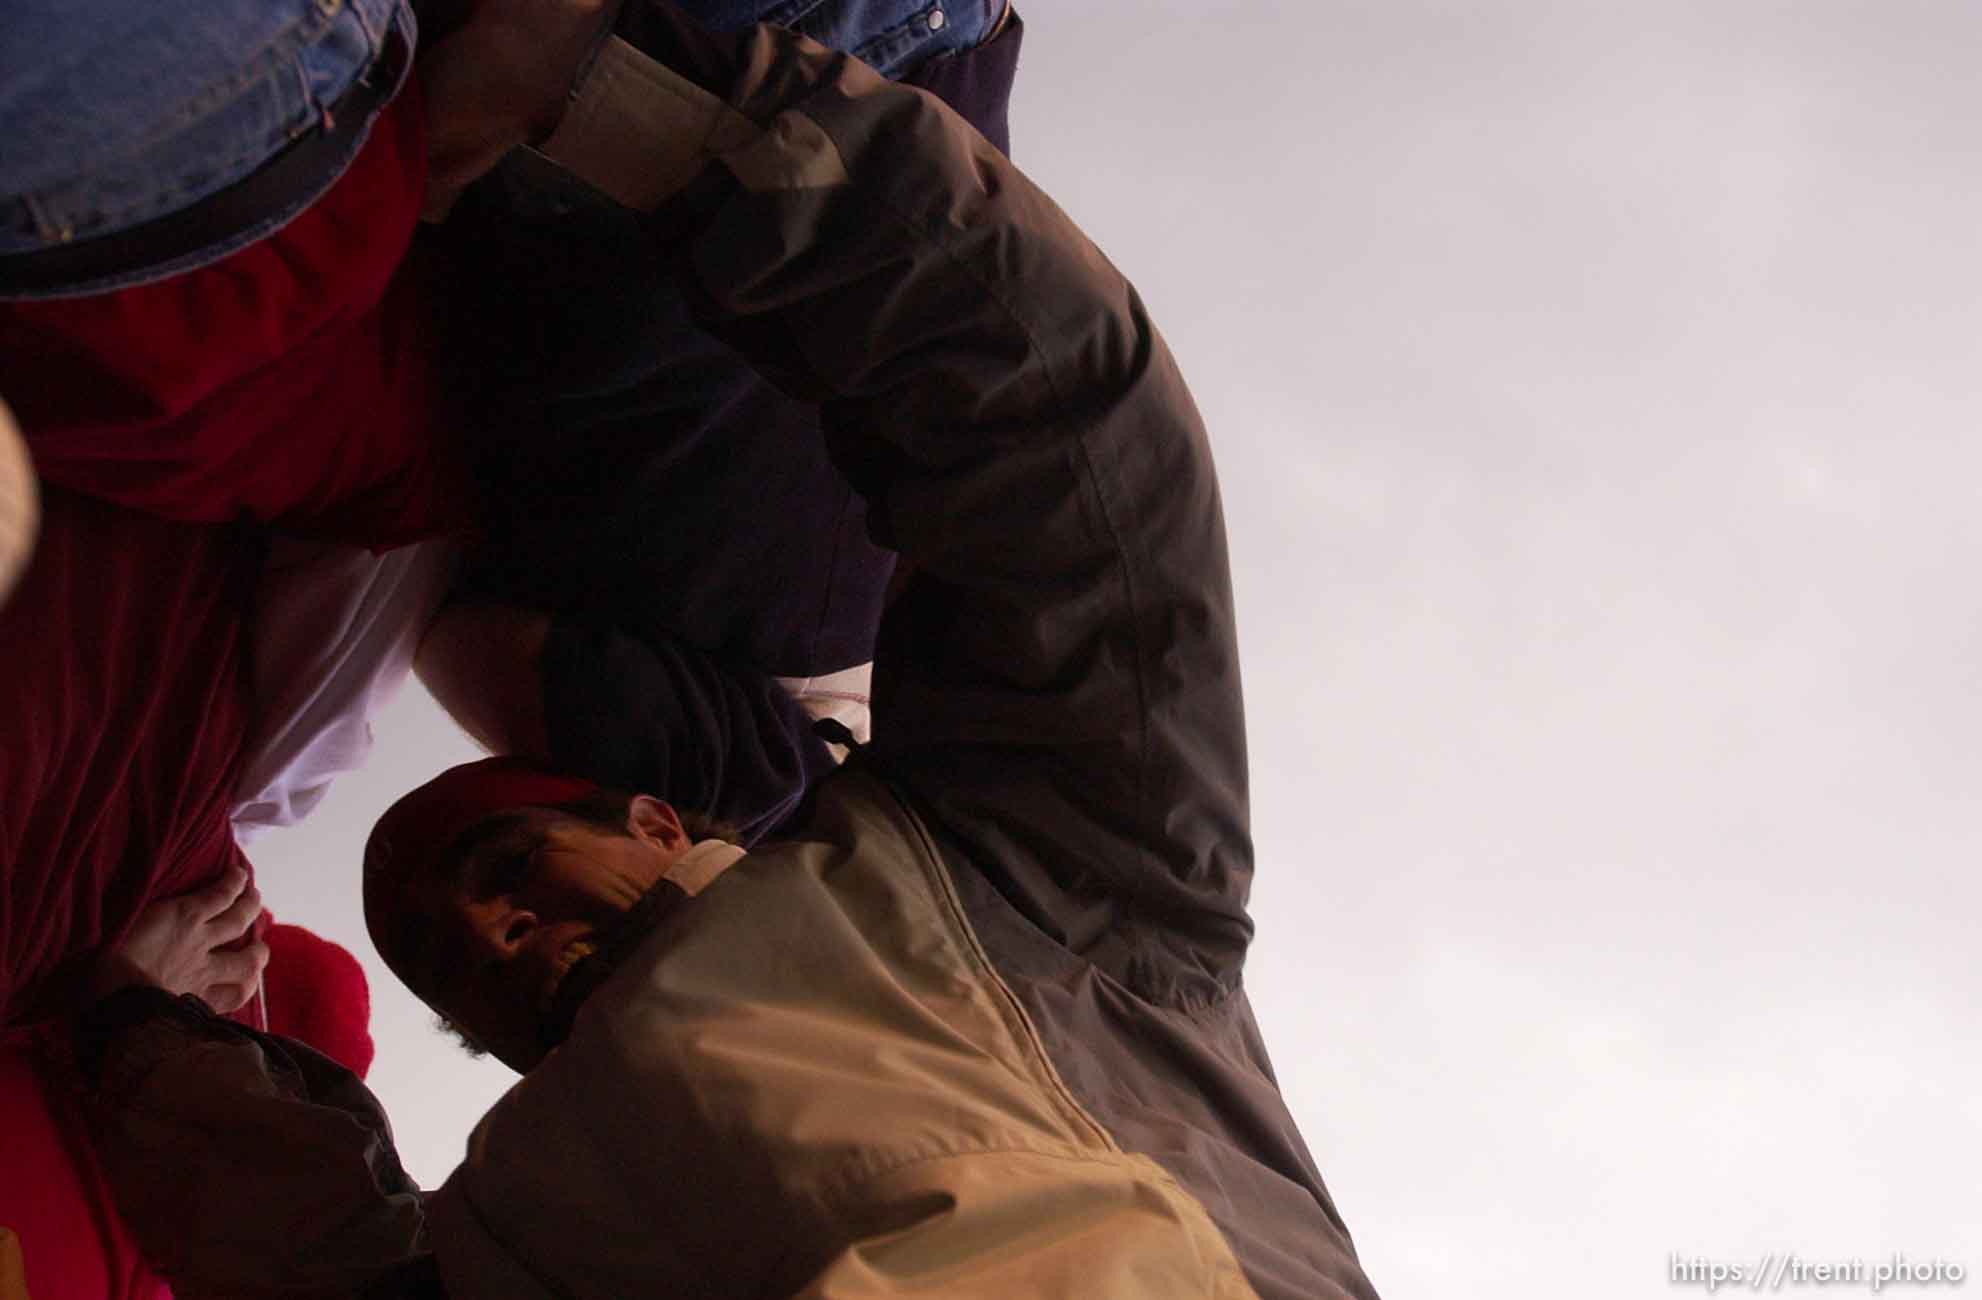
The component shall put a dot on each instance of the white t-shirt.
(336, 629)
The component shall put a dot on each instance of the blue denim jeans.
(119, 112)
(891, 36)
(127, 111)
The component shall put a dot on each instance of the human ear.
(654, 819)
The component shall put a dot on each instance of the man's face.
(487, 937)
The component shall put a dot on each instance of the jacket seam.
(1011, 1011)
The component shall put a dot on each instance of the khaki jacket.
(810, 1082)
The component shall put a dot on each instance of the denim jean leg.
(892, 36)
(147, 110)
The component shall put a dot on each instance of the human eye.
(510, 872)
(507, 871)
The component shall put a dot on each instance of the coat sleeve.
(650, 713)
(1058, 686)
(246, 1165)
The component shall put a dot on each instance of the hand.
(200, 943)
(500, 79)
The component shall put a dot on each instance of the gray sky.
(1594, 387)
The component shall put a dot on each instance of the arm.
(245, 1165)
(482, 663)
(1058, 685)
(645, 714)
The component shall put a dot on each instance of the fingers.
(201, 942)
(233, 976)
(238, 918)
(226, 999)
(213, 900)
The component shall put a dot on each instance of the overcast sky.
(1595, 389)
